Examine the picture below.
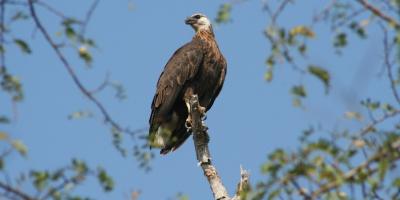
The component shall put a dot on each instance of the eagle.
(196, 68)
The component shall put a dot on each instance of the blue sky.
(249, 119)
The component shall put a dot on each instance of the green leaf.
(70, 21)
(23, 46)
(4, 120)
(2, 50)
(359, 30)
(299, 91)
(79, 166)
(181, 196)
(302, 49)
(40, 179)
(340, 40)
(19, 15)
(302, 30)
(12, 85)
(85, 55)
(105, 180)
(80, 115)
(268, 76)
(223, 15)
(70, 32)
(90, 43)
(322, 74)
(388, 108)
(117, 140)
(274, 194)
(371, 105)
(20, 147)
(270, 168)
(382, 168)
(396, 182)
(353, 115)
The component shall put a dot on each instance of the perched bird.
(198, 67)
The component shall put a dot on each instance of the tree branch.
(88, 16)
(201, 139)
(15, 191)
(2, 29)
(379, 13)
(386, 54)
(68, 67)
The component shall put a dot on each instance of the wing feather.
(181, 67)
(220, 85)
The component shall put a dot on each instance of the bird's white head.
(198, 22)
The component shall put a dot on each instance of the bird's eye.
(197, 16)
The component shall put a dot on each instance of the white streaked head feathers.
(199, 22)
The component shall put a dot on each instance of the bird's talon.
(188, 124)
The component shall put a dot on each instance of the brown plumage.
(198, 67)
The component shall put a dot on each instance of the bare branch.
(379, 13)
(274, 15)
(201, 139)
(102, 85)
(2, 27)
(88, 16)
(15, 191)
(243, 185)
(51, 9)
(389, 65)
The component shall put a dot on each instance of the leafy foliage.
(11, 84)
(223, 15)
(23, 46)
(321, 74)
(105, 180)
(337, 164)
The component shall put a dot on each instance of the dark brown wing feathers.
(181, 67)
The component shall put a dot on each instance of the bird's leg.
(188, 123)
(203, 116)
(203, 113)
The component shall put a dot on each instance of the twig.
(201, 139)
(102, 85)
(300, 190)
(67, 66)
(2, 27)
(15, 191)
(274, 15)
(379, 13)
(389, 65)
(88, 16)
(51, 9)
(243, 185)
(347, 19)
(370, 126)
(325, 12)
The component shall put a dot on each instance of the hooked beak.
(190, 21)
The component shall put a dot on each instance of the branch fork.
(201, 140)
